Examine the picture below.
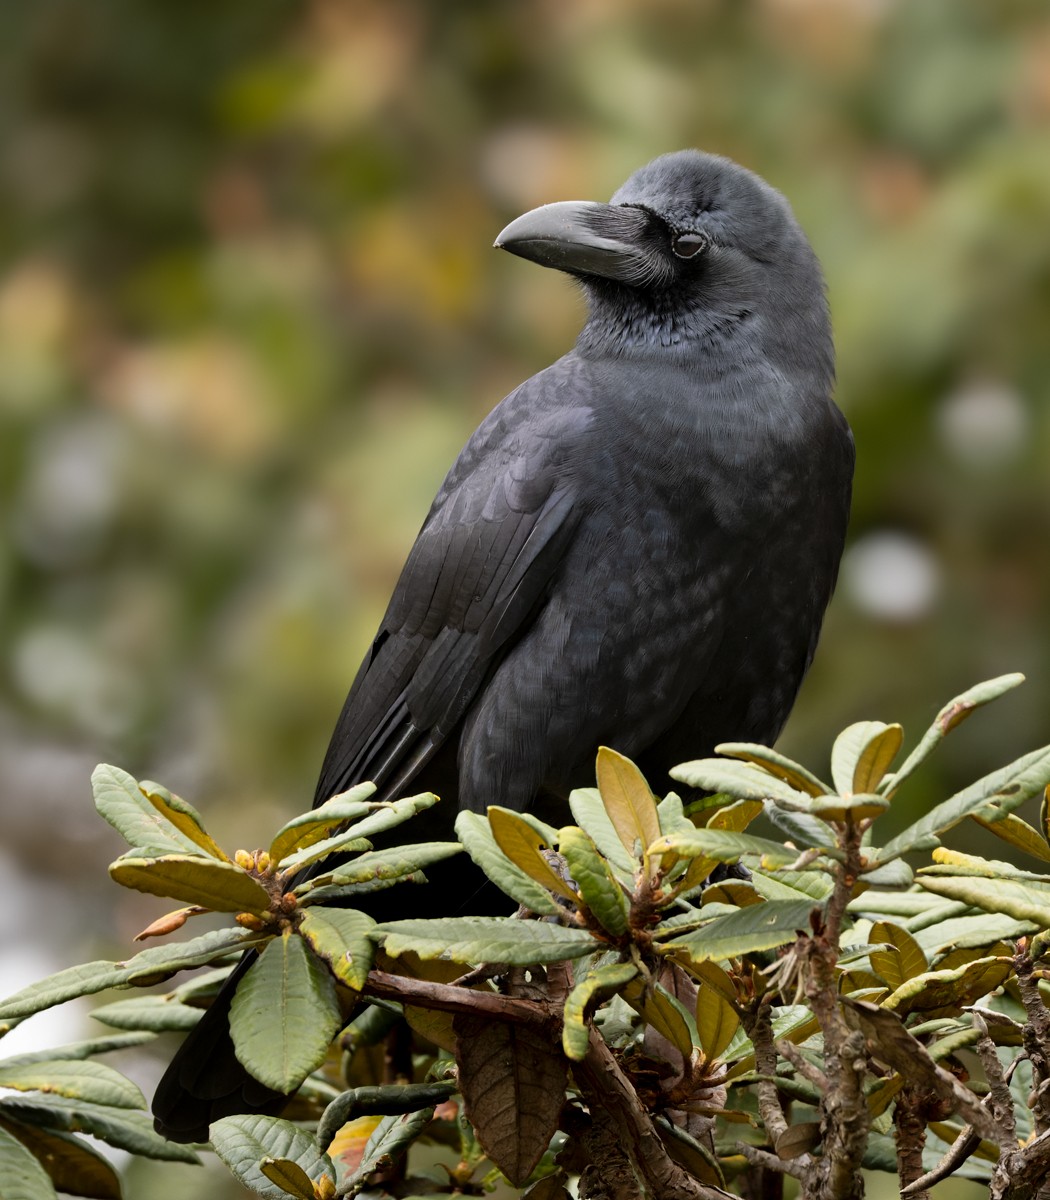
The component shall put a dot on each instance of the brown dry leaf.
(513, 1080)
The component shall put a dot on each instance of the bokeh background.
(249, 311)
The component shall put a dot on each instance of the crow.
(635, 548)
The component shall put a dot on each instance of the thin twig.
(958, 1152)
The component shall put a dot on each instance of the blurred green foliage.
(250, 311)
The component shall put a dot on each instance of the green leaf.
(387, 1100)
(381, 818)
(1017, 833)
(716, 1019)
(628, 801)
(284, 1014)
(313, 826)
(341, 937)
(791, 885)
(220, 886)
(862, 754)
(1005, 788)
(1008, 897)
(724, 845)
(245, 1142)
(861, 806)
(596, 986)
(951, 715)
(475, 833)
(186, 819)
(523, 846)
(24, 1178)
(589, 811)
(742, 780)
(599, 888)
(902, 960)
(966, 932)
(486, 940)
(73, 1166)
(80, 1050)
(151, 966)
(122, 803)
(160, 1014)
(758, 927)
(92, 1081)
(127, 1129)
(791, 773)
(390, 1139)
(394, 863)
(735, 818)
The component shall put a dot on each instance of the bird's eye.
(688, 245)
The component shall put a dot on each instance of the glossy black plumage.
(635, 548)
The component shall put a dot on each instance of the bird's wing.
(477, 573)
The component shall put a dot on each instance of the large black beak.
(584, 238)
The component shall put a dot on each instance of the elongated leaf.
(289, 1177)
(1008, 897)
(952, 714)
(160, 1014)
(739, 779)
(792, 773)
(72, 1165)
(589, 811)
(78, 1080)
(663, 1012)
(186, 819)
(671, 814)
(735, 818)
(513, 1083)
(284, 1014)
(486, 940)
(76, 1051)
(724, 845)
(220, 886)
(596, 986)
(1005, 788)
(948, 991)
(757, 927)
(964, 933)
(317, 824)
(861, 755)
(341, 937)
(149, 967)
(24, 1178)
(903, 958)
(599, 888)
(127, 1129)
(628, 801)
(523, 846)
(475, 833)
(1016, 832)
(387, 1100)
(716, 1019)
(389, 1140)
(859, 807)
(244, 1142)
(121, 802)
(395, 862)
(791, 885)
(380, 818)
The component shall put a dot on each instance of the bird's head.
(692, 250)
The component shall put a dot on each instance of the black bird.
(635, 548)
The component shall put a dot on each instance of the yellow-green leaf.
(289, 1177)
(599, 888)
(902, 960)
(628, 801)
(1016, 832)
(792, 773)
(659, 1010)
(944, 993)
(595, 986)
(220, 886)
(716, 1020)
(340, 937)
(186, 819)
(523, 845)
(315, 825)
(735, 817)
(863, 751)
(875, 759)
